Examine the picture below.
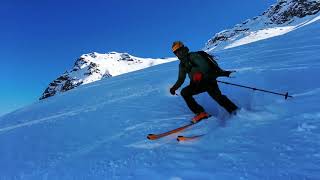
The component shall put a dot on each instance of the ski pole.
(286, 95)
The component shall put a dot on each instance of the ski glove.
(173, 91)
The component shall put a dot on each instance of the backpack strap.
(210, 59)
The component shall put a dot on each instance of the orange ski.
(179, 129)
(157, 136)
(185, 138)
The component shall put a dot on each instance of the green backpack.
(211, 61)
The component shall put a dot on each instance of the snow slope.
(98, 130)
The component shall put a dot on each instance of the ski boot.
(199, 117)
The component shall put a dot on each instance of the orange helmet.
(176, 45)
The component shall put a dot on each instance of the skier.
(202, 71)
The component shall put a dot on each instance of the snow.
(260, 35)
(262, 27)
(98, 130)
(269, 32)
(115, 64)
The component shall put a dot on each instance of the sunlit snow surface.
(259, 29)
(98, 131)
(115, 64)
(269, 32)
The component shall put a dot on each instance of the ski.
(158, 136)
(179, 129)
(188, 138)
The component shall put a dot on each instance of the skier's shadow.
(223, 118)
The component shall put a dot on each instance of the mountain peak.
(280, 18)
(95, 66)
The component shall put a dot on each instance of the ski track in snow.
(75, 112)
(33, 122)
(309, 93)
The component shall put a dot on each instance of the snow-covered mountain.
(94, 66)
(281, 18)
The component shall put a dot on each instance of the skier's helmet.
(177, 45)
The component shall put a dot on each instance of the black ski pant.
(211, 87)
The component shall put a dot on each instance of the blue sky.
(39, 40)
